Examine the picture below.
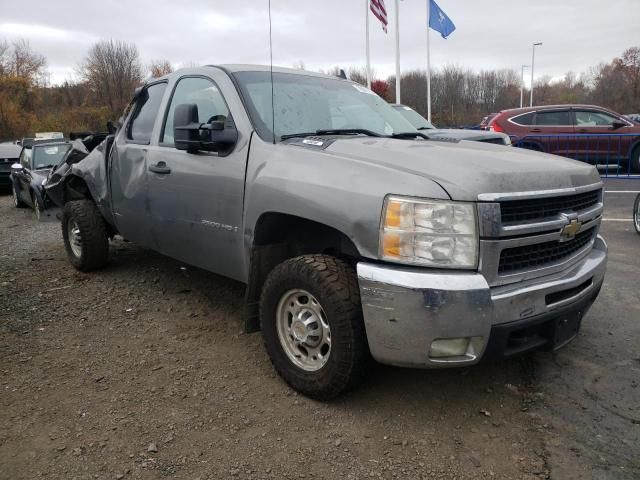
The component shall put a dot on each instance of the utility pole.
(533, 58)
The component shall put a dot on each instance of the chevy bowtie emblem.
(571, 229)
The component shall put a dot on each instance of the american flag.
(377, 7)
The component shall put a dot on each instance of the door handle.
(535, 130)
(160, 167)
(582, 130)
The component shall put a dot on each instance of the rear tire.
(85, 235)
(325, 332)
(636, 214)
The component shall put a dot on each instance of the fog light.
(456, 347)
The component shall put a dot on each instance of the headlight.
(429, 232)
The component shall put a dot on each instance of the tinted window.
(146, 110)
(202, 92)
(553, 118)
(586, 118)
(526, 119)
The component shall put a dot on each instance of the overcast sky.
(490, 34)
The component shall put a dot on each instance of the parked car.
(9, 154)
(582, 132)
(484, 123)
(355, 235)
(29, 174)
(422, 124)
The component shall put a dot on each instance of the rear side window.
(553, 118)
(144, 117)
(525, 119)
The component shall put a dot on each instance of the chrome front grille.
(527, 257)
(538, 209)
(525, 234)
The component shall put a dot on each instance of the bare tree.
(18, 60)
(158, 68)
(112, 71)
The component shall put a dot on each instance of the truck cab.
(357, 236)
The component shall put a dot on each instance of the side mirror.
(616, 124)
(16, 168)
(186, 127)
(190, 135)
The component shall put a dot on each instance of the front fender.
(327, 188)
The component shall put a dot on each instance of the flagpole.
(366, 22)
(397, 52)
(428, 65)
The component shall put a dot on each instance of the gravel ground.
(142, 371)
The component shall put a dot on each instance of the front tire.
(16, 199)
(85, 235)
(636, 214)
(37, 208)
(312, 325)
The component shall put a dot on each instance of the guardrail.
(614, 154)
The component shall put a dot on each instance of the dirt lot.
(141, 371)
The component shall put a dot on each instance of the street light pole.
(533, 58)
(522, 84)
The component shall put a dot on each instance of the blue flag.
(439, 21)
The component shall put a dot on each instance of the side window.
(204, 93)
(24, 158)
(144, 117)
(553, 118)
(590, 118)
(525, 119)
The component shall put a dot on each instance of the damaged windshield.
(305, 103)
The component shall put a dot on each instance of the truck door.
(197, 198)
(129, 174)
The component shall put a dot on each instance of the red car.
(583, 132)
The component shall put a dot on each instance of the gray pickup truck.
(357, 237)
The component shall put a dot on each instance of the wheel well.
(278, 237)
(76, 188)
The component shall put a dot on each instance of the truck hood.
(467, 169)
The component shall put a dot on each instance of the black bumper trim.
(542, 332)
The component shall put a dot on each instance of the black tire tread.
(336, 281)
(636, 208)
(95, 241)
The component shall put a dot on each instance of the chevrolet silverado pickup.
(356, 235)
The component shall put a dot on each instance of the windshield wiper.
(407, 135)
(333, 131)
(348, 131)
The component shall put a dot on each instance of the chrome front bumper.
(407, 309)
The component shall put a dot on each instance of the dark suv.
(582, 132)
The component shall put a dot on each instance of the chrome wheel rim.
(75, 240)
(303, 330)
